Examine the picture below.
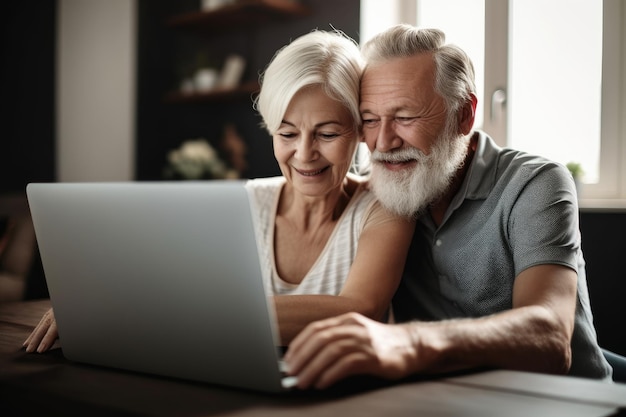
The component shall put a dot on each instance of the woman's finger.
(34, 340)
(49, 338)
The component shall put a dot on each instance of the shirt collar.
(481, 175)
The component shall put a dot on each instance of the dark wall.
(27, 80)
(162, 51)
(604, 246)
(27, 49)
(27, 110)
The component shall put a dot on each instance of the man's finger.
(328, 348)
(309, 332)
(355, 363)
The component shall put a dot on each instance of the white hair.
(408, 192)
(454, 69)
(329, 59)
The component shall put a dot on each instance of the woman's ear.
(467, 114)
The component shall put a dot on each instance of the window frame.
(612, 185)
(610, 192)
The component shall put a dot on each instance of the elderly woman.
(327, 246)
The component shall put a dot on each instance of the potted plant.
(577, 172)
(575, 169)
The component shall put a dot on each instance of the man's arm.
(533, 336)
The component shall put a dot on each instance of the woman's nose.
(306, 149)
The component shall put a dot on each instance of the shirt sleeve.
(543, 224)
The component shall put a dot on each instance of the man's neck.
(438, 209)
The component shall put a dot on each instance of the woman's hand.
(44, 335)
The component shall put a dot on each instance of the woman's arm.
(371, 283)
(373, 278)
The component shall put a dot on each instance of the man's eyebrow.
(394, 110)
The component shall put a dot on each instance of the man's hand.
(351, 344)
(533, 336)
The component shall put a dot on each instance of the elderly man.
(495, 276)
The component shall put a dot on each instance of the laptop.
(159, 277)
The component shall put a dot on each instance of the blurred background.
(124, 90)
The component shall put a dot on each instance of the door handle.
(498, 103)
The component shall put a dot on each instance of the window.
(554, 90)
(550, 75)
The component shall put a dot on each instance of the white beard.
(409, 191)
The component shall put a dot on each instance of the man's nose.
(387, 138)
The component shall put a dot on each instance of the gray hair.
(329, 59)
(454, 69)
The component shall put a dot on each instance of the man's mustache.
(400, 155)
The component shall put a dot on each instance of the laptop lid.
(161, 278)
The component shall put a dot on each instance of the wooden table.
(48, 384)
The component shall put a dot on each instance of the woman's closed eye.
(326, 136)
(287, 135)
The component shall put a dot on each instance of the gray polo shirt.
(513, 211)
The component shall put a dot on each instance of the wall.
(95, 90)
(604, 243)
(27, 125)
(163, 127)
(78, 107)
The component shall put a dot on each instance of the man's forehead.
(398, 80)
(415, 70)
(409, 65)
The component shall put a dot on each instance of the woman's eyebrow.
(320, 124)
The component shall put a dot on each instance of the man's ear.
(467, 114)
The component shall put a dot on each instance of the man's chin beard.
(410, 191)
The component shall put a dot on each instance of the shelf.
(244, 13)
(245, 90)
